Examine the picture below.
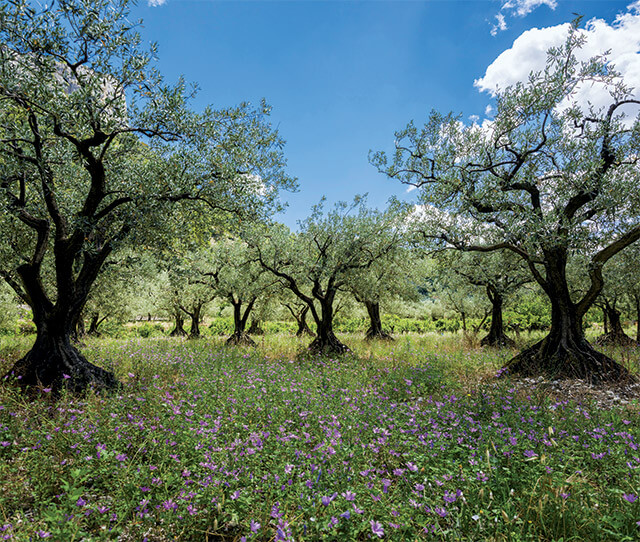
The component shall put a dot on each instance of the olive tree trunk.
(326, 343)
(53, 361)
(565, 352)
(615, 334)
(375, 330)
(496, 336)
(178, 330)
(240, 318)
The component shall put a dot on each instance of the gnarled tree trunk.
(256, 328)
(239, 335)
(375, 330)
(54, 362)
(564, 352)
(326, 343)
(94, 324)
(303, 327)
(615, 334)
(496, 335)
(178, 330)
(195, 314)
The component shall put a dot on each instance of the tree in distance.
(233, 273)
(390, 278)
(546, 179)
(317, 262)
(500, 274)
(94, 150)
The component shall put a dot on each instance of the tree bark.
(93, 325)
(615, 335)
(564, 352)
(255, 328)
(54, 362)
(303, 327)
(496, 336)
(239, 335)
(375, 330)
(78, 330)
(301, 319)
(178, 330)
(326, 343)
(194, 332)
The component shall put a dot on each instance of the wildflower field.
(410, 440)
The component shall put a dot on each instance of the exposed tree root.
(499, 341)
(327, 346)
(615, 339)
(561, 359)
(57, 364)
(378, 335)
(241, 339)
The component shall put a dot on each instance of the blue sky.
(342, 76)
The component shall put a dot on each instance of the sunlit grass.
(405, 440)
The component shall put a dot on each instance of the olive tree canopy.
(546, 179)
(94, 149)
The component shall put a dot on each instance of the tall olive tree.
(547, 178)
(390, 278)
(94, 149)
(233, 273)
(317, 262)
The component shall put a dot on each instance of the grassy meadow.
(409, 440)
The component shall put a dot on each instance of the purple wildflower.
(376, 528)
(348, 495)
(629, 497)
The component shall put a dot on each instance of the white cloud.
(156, 3)
(474, 119)
(488, 111)
(529, 53)
(500, 25)
(522, 8)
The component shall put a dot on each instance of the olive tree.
(499, 274)
(546, 179)
(388, 279)
(94, 150)
(233, 273)
(317, 262)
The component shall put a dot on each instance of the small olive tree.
(317, 262)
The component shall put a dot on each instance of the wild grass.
(408, 440)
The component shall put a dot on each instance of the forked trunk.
(239, 335)
(326, 343)
(255, 328)
(564, 352)
(615, 334)
(301, 320)
(375, 330)
(303, 327)
(178, 330)
(54, 362)
(196, 316)
(496, 336)
(93, 325)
